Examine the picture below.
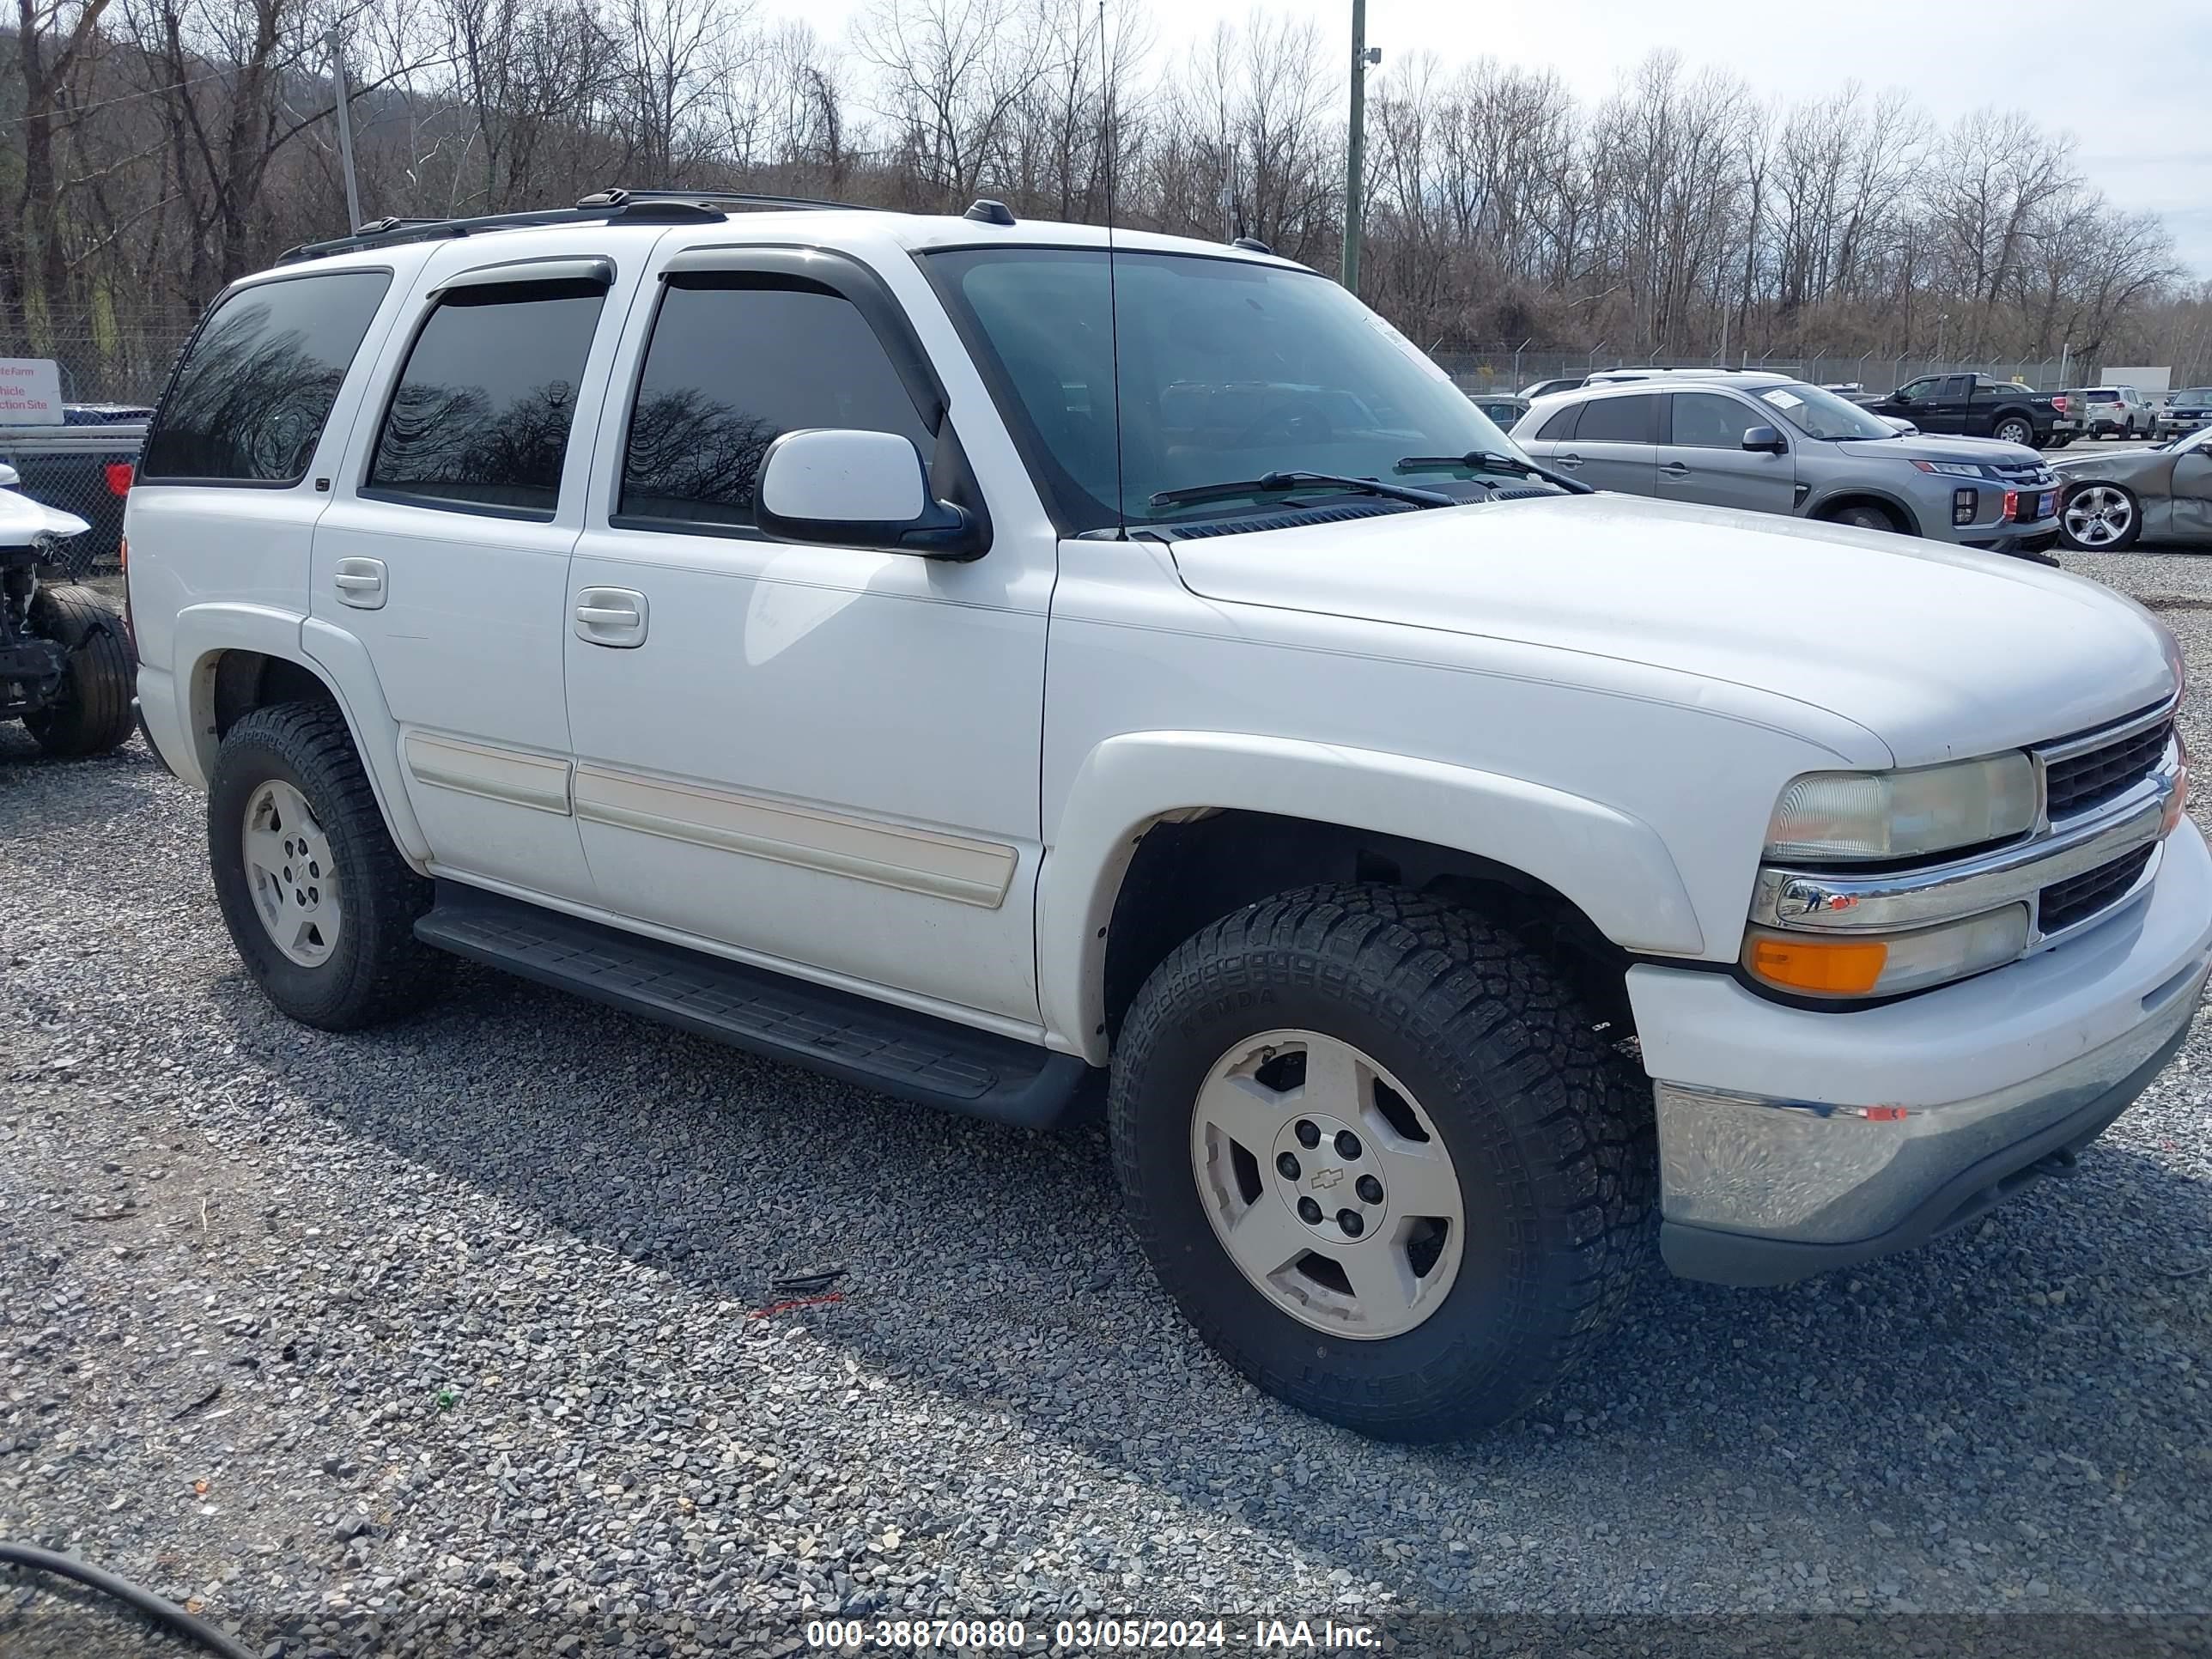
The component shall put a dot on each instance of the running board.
(914, 1056)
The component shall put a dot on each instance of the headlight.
(1951, 469)
(1867, 817)
(1885, 964)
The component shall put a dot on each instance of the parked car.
(2112, 412)
(1982, 406)
(1503, 408)
(66, 665)
(885, 642)
(1769, 444)
(83, 467)
(1536, 389)
(2185, 411)
(2110, 502)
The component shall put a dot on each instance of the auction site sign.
(30, 391)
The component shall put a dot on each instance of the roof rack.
(656, 207)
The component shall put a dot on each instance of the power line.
(74, 110)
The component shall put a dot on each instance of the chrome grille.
(2087, 780)
(2079, 897)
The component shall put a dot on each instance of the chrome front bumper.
(1795, 1140)
(1759, 1191)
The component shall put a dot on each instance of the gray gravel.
(442, 1340)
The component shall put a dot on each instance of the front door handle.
(360, 583)
(614, 616)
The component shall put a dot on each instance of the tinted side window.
(250, 398)
(1704, 420)
(732, 366)
(1620, 421)
(1562, 425)
(481, 415)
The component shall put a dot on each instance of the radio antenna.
(1112, 292)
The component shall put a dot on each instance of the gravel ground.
(461, 1337)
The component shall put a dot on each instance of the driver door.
(822, 759)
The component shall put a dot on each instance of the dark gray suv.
(1768, 443)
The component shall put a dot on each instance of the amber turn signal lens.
(1822, 966)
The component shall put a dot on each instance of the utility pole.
(345, 130)
(1355, 163)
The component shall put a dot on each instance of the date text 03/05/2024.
(1091, 1635)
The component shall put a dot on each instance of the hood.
(1941, 652)
(1920, 447)
(23, 521)
(2117, 463)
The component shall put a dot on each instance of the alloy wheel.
(291, 873)
(1327, 1184)
(2097, 515)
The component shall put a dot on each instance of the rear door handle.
(1570, 462)
(1674, 469)
(360, 583)
(614, 616)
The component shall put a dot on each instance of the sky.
(2132, 82)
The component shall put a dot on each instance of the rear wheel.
(2015, 429)
(2100, 518)
(1381, 1158)
(317, 900)
(92, 713)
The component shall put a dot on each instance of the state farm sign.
(30, 391)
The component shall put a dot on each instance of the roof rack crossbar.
(650, 206)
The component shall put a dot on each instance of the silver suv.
(1769, 444)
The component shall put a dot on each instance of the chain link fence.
(1509, 368)
(110, 372)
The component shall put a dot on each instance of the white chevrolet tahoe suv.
(979, 660)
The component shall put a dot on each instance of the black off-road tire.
(93, 711)
(1549, 1128)
(379, 969)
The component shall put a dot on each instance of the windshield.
(1229, 370)
(1820, 414)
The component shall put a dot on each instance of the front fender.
(1613, 867)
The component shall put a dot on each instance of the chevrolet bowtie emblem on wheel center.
(1324, 1179)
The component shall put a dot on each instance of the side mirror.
(10, 478)
(851, 488)
(1765, 439)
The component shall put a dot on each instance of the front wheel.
(91, 712)
(317, 900)
(2100, 518)
(1383, 1162)
(2013, 429)
(1864, 515)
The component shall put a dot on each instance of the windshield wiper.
(1271, 484)
(1489, 460)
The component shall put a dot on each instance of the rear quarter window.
(250, 398)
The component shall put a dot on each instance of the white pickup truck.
(982, 659)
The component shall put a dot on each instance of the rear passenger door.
(1949, 406)
(1616, 444)
(1705, 460)
(445, 551)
